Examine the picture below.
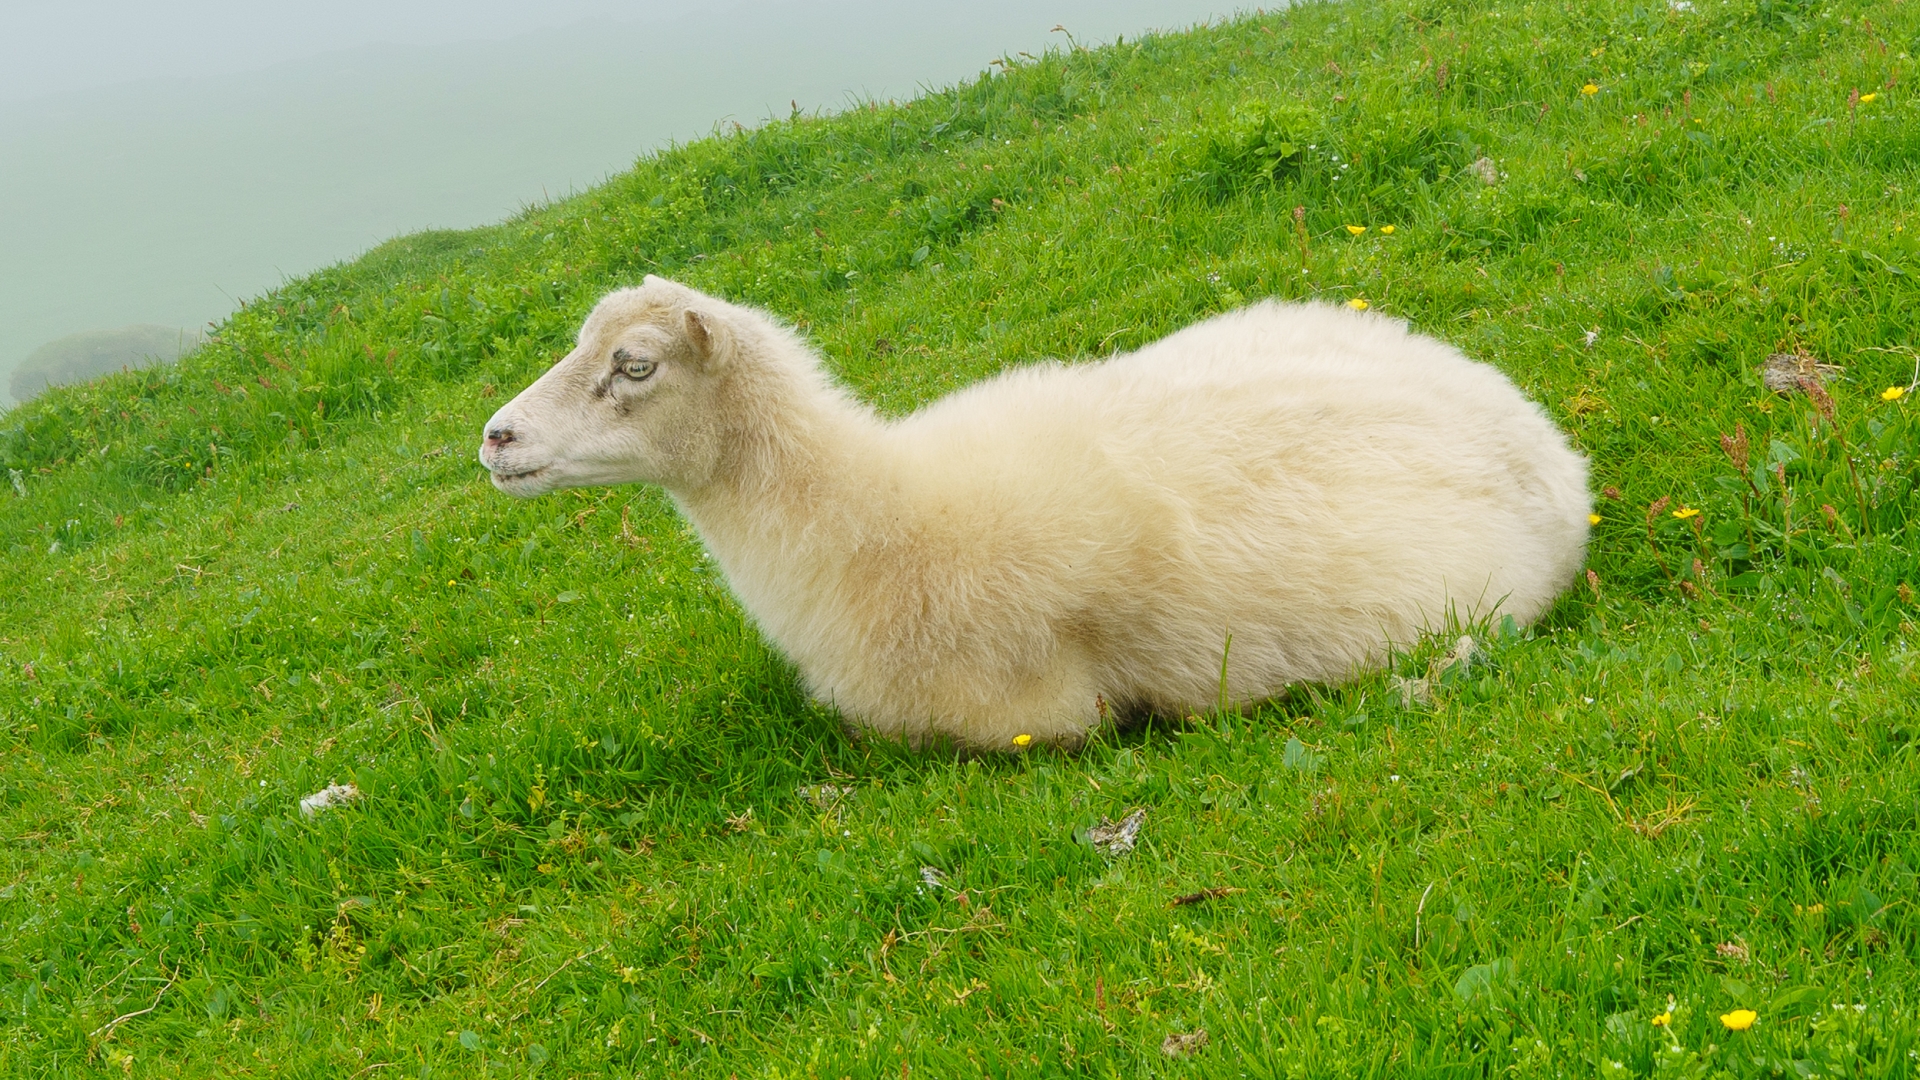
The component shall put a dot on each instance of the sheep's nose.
(499, 436)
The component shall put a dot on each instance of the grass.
(603, 833)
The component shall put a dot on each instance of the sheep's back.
(1315, 481)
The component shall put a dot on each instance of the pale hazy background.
(160, 161)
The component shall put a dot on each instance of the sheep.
(1281, 494)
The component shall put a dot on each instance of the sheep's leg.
(1056, 709)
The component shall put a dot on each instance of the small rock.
(327, 798)
(1462, 655)
(1788, 373)
(1412, 690)
(1184, 1044)
(1117, 837)
(1421, 689)
(1462, 652)
(823, 795)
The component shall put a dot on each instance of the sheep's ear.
(699, 331)
(651, 280)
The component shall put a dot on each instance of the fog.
(160, 162)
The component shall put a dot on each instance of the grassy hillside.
(601, 831)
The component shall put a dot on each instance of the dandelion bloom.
(1356, 229)
(1663, 1019)
(1893, 393)
(1358, 304)
(1590, 89)
(1864, 98)
(1739, 1019)
(1023, 740)
(1686, 512)
(1593, 519)
(1387, 229)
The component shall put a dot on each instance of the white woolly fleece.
(1063, 543)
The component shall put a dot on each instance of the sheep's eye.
(633, 367)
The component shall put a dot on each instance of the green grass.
(604, 834)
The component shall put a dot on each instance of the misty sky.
(160, 161)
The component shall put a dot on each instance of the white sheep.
(1281, 494)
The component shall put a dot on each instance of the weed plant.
(1669, 830)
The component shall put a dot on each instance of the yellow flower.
(1893, 393)
(1864, 98)
(1387, 229)
(1023, 740)
(1686, 512)
(1739, 1019)
(1356, 229)
(449, 582)
(1358, 304)
(1589, 89)
(1663, 1019)
(1593, 519)
(1598, 51)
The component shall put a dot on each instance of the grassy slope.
(593, 839)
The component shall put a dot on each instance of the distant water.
(167, 200)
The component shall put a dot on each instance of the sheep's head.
(633, 402)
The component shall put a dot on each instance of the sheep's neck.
(793, 501)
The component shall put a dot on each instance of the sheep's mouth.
(515, 482)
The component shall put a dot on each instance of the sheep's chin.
(524, 485)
